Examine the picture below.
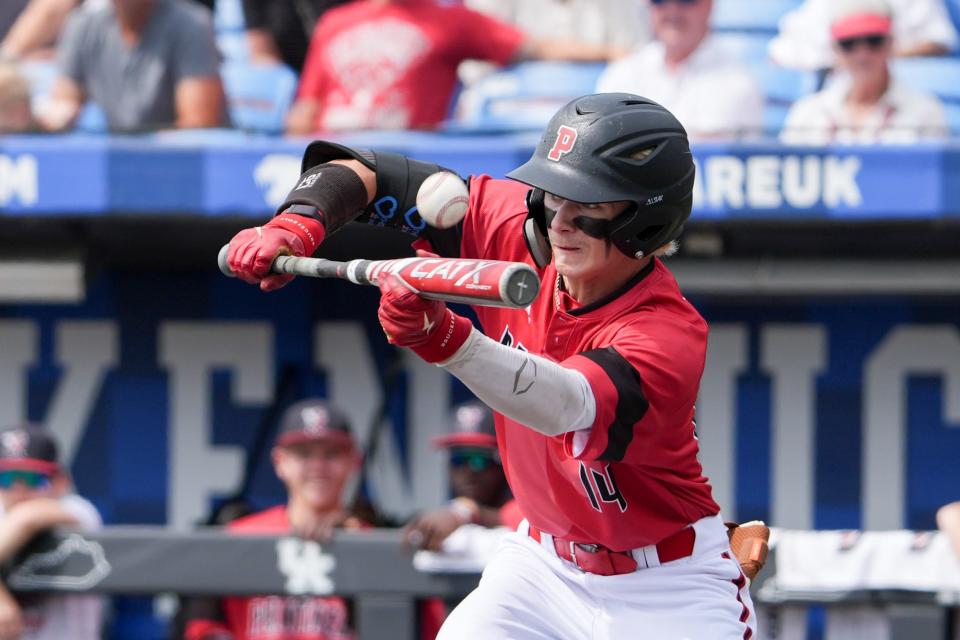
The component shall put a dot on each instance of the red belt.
(595, 558)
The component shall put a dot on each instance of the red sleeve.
(206, 630)
(432, 614)
(493, 225)
(645, 387)
(484, 37)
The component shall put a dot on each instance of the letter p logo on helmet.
(566, 137)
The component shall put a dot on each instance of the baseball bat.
(494, 283)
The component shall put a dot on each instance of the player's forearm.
(923, 49)
(36, 27)
(301, 118)
(26, 520)
(525, 387)
(569, 50)
(200, 103)
(948, 521)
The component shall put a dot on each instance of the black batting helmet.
(610, 147)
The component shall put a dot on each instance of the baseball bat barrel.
(470, 281)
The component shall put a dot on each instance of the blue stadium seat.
(953, 7)
(42, 74)
(937, 75)
(750, 47)
(233, 46)
(229, 26)
(781, 87)
(258, 96)
(525, 95)
(228, 16)
(92, 119)
(750, 15)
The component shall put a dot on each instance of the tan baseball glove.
(749, 544)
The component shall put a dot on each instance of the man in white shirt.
(621, 25)
(690, 73)
(921, 28)
(865, 105)
(35, 495)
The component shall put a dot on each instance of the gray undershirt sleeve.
(534, 391)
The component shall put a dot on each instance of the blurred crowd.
(808, 71)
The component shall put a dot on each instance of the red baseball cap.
(313, 420)
(858, 18)
(472, 427)
(28, 447)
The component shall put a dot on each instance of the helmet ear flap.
(535, 229)
(639, 233)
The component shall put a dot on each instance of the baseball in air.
(442, 200)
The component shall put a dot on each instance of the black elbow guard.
(398, 180)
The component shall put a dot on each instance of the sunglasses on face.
(29, 479)
(475, 461)
(873, 42)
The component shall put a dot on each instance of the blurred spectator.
(619, 25)
(948, 521)
(279, 30)
(35, 495)
(477, 481)
(15, 114)
(615, 26)
(31, 27)
(10, 10)
(391, 64)
(148, 64)
(690, 73)
(921, 28)
(315, 456)
(864, 104)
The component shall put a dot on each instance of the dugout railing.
(371, 567)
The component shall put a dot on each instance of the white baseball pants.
(528, 593)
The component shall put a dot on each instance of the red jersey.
(394, 65)
(634, 477)
(276, 617)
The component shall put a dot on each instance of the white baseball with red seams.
(442, 200)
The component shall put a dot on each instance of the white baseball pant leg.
(528, 593)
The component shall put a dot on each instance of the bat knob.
(222, 262)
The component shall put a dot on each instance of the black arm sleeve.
(395, 203)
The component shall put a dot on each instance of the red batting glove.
(252, 251)
(431, 330)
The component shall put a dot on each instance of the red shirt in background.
(394, 66)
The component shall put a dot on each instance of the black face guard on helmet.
(612, 147)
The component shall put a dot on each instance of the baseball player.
(314, 456)
(593, 384)
(480, 492)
